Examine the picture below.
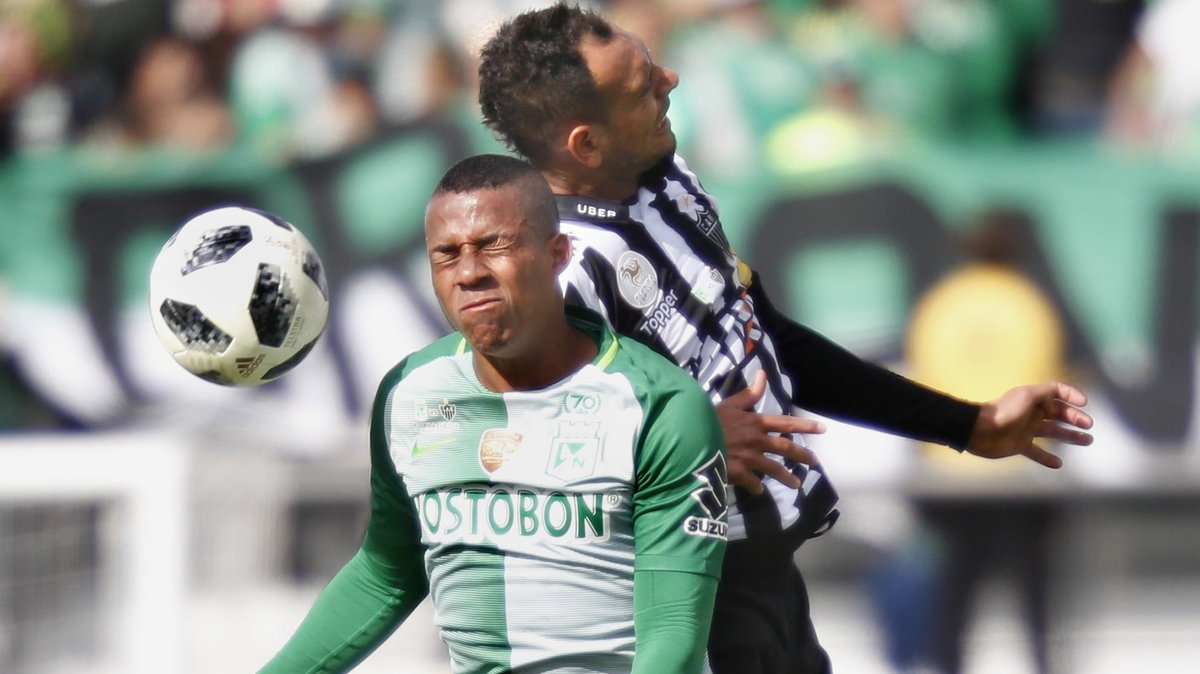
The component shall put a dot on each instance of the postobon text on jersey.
(483, 513)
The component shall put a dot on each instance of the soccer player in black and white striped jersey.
(585, 103)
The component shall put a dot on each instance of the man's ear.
(560, 248)
(584, 145)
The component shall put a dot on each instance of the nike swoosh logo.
(419, 449)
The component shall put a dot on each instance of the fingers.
(1071, 415)
(1042, 456)
(789, 450)
(1066, 392)
(745, 466)
(754, 440)
(746, 479)
(779, 423)
(1053, 431)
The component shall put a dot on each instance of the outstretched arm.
(1010, 424)
(355, 613)
(378, 587)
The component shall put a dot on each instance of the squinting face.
(494, 274)
(636, 91)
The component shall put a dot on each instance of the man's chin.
(672, 145)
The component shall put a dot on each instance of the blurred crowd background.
(978, 193)
(782, 83)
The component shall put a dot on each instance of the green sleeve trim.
(610, 354)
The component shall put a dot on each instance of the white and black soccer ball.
(238, 296)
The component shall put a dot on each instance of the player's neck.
(562, 351)
(590, 184)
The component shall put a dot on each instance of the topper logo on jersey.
(657, 320)
(497, 513)
(636, 279)
(713, 499)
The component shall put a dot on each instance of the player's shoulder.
(652, 375)
(445, 347)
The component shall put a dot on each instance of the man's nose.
(671, 78)
(470, 269)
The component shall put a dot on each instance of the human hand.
(1008, 425)
(747, 438)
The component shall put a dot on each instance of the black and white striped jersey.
(659, 268)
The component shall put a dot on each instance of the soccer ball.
(238, 296)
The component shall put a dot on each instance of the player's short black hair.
(493, 171)
(485, 172)
(533, 79)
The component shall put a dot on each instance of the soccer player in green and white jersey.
(557, 489)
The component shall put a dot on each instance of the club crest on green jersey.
(574, 450)
(496, 447)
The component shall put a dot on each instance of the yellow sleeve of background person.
(979, 332)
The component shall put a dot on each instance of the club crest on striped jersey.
(636, 279)
(496, 447)
(705, 218)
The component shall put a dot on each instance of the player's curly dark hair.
(533, 80)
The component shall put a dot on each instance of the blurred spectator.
(834, 131)
(420, 72)
(290, 101)
(1154, 99)
(975, 333)
(738, 80)
(915, 71)
(1075, 66)
(35, 46)
(170, 102)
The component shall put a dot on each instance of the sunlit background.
(974, 192)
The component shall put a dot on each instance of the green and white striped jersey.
(536, 507)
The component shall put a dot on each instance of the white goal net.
(92, 545)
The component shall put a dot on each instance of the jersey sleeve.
(376, 590)
(679, 529)
(680, 501)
